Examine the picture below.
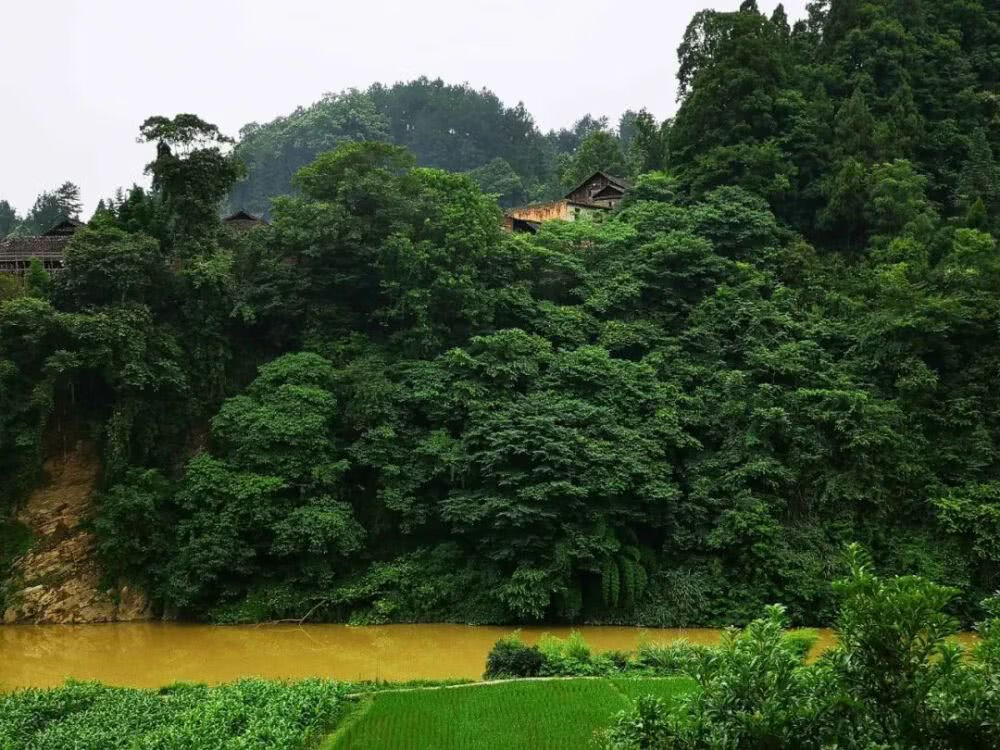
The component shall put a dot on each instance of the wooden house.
(594, 198)
(600, 189)
(16, 253)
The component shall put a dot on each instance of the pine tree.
(780, 19)
(102, 209)
(44, 214)
(854, 135)
(68, 198)
(37, 280)
(977, 217)
(901, 128)
(8, 219)
(980, 177)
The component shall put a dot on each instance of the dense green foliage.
(15, 540)
(561, 714)
(382, 408)
(251, 714)
(893, 680)
(573, 657)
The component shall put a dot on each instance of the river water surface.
(155, 654)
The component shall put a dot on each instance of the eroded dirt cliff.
(58, 580)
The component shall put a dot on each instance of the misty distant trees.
(457, 128)
(50, 208)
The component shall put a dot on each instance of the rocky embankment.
(58, 579)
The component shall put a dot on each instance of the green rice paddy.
(551, 714)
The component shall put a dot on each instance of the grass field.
(555, 714)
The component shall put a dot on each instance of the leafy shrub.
(646, 727)
(754, 693)
(571, 657)
(753, 690)
(247, 714)
(615, 660)
(434, 584)
(802, 641)
(269, 603)
(988, 652)
(681, 597)
(679, 657)
(510, 657)
(896, 666)
(894, 680)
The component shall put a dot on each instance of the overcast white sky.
(79, 76)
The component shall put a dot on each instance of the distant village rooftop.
(16, 253)
(597, 195)
(64, 228)
(243, 221)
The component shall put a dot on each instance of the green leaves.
(240, 716)
(191, 176)
(107, 266)
(893, 680)
(272, 501)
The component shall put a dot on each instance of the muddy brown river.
(155, 654)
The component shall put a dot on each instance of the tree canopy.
(380, 407)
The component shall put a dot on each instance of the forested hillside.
(448, 127)
(383, 408)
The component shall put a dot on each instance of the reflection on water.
(155, 654)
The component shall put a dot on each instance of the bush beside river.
(896, 679)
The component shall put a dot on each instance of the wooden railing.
(13, 260)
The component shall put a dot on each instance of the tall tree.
(68, 197)
(734, 75)
(191, 174)
(648, 150)
(600, 150)
(979, 179)
(8, 219)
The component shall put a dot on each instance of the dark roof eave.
(618, 181)
(244, 216)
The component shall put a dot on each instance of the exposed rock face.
(58, 580)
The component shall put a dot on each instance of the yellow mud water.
(155, 654)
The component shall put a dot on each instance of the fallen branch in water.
(293, 621)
